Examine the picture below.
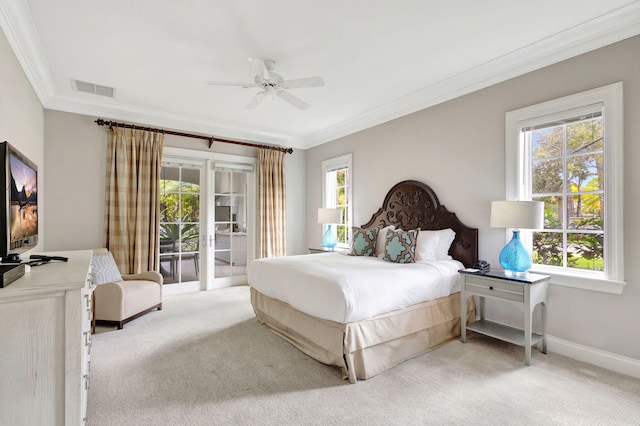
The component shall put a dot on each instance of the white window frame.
(518, 186)
(328, 192)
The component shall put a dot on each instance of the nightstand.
(525, 290)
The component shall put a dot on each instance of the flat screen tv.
(19, 202)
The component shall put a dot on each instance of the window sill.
(582, 281)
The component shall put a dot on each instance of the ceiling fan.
(273, 84)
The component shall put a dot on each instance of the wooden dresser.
(45, 341)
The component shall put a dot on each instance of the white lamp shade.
(329, 215)
(517, 214)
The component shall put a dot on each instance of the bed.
(287, 293)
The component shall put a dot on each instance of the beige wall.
(75, 152)
(458, 149)
(22, 119)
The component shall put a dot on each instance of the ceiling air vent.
(94, 89)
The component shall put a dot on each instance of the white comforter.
(345, 288)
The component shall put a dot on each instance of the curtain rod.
(211, 139)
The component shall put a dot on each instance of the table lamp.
(329, 217)
(517, 215)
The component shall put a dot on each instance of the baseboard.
(610, 361)
(169, 289)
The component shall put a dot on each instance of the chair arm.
(114, 288)
(146, 276)
(109, 299)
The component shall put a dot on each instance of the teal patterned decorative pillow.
(363, 241)
(400, 246)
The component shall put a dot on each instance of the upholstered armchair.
(122, 298)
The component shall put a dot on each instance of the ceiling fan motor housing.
(273, 83)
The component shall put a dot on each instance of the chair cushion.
(120, 300)
(140, 295)
(104, 269)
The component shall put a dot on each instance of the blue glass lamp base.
(514, 257)
(329, 240)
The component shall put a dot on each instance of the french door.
(206, 220)
(180, 225)
(229, 241)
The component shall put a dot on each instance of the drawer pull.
(490, 287)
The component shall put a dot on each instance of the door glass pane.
(190, 207)
(190, 180)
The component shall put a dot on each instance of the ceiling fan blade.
(293, 100)
(230, 83)
(303, 82)
(257, 98)
(260, 68)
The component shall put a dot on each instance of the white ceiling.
(379, 59)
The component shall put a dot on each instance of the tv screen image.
(24, 200)
(18, 202)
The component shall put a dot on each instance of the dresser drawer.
(496, 288)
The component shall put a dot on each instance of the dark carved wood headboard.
(411, 204)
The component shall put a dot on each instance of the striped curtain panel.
(132, 208)
(271, 203)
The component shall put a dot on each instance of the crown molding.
(596, 33)
(163, 119)
(21, 33)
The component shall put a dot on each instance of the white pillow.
(434, 245)
(104, 269)
(382, 240)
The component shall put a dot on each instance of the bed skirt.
(365, 348)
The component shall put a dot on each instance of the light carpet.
(204, 360)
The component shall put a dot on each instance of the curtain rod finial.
(211, 141)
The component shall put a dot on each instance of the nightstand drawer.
(500, 289)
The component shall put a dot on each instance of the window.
(568, 154)
(337, 173)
